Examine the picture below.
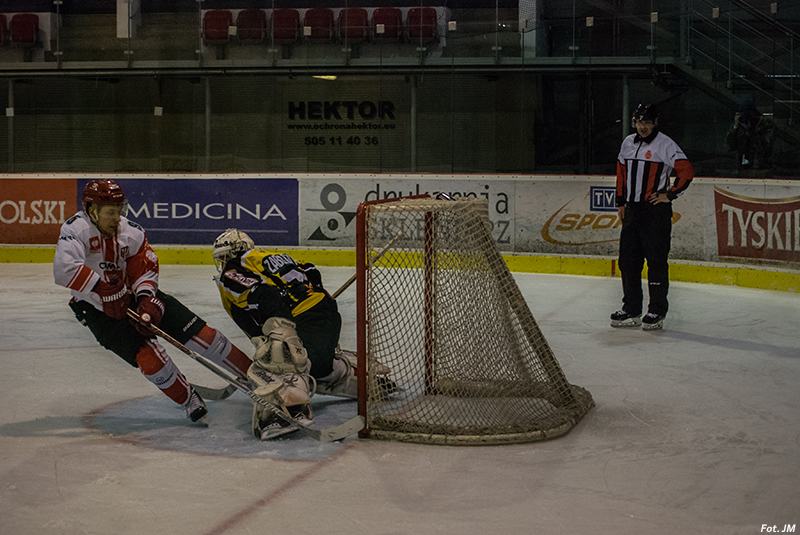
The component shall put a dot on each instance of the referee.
(644, 203)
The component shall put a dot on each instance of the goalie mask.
(230, 244)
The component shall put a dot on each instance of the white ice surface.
(696, 430)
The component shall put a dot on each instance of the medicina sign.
(191, 211)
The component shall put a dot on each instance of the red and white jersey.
(84, 256)
(644, 166)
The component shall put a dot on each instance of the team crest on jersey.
(241, 279)
(648, 155)
(124, 252)
(94, 245)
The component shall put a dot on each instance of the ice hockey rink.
(696, 430)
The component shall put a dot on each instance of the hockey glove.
(151, 310)
(114, 296)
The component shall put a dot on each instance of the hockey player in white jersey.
(105, 259)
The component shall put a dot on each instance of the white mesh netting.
(445, 316)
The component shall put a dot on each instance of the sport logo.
(578, 227)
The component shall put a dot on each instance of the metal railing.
(748, 50)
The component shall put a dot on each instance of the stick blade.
(214, 394)
(339, 432)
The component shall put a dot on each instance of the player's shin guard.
(158, 368)
(216, 347)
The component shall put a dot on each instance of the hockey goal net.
(439, 313)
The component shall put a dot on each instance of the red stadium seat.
(285, 26)
(251, 26)
(421, 24)
(3, 29)
(215, 26)
(353, 24)
(320, 20)
(391, 19)
(24, 30)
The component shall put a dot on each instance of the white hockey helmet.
(230, 244)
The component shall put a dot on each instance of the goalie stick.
(329, 434)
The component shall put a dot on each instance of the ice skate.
(196, 409)
(270, 426)
(342, 382)
(652, 322)
(620, 318)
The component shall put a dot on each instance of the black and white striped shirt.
(644, 167)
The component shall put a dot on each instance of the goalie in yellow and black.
(293, 323)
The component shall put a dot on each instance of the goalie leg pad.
(280, 350)
(289, 392)
(279, 374)
(269, 426)
(342, 381)
(285, 390)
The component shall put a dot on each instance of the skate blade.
(626, 323)
(203, 422)
(272, 434)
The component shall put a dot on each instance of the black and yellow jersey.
(258, 285)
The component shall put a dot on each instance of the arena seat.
(215, 26)
(251, 26)
(320, 21)
(421, 24)
(3, 29)
(24, 30)
(392, 20)
(285, 26)
(353, 24)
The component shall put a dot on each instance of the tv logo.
(602, 199)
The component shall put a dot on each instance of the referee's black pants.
(646, 235)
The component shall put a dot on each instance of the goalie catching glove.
(279, 374)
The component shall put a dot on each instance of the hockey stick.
(378, 256)
(330, 434)
(214, 394)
